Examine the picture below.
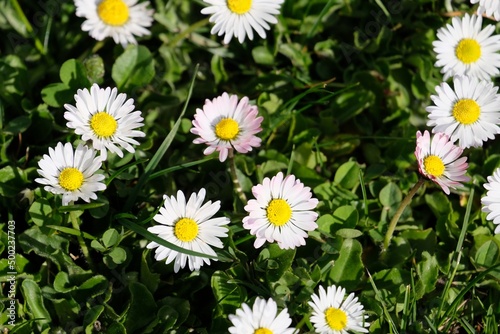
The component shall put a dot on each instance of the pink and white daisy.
(224, 124)
(334, 315)
(463, 48)
(71, 173)
(439, 160)
(260, 319)
(491, 201)
(488, 7)
(190, 226)
(469, 113)
(106, 118)
(281, 212)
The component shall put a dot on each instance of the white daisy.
(281, 212)
(71, 173)
(439, 160)
(488, 7)
(188, 225)
(261, 319)
(463, 48)
(104, 117)
(334, 315)
(239, 18)
(469, 113)
(225, 123)
(491, 202)
(120, 19)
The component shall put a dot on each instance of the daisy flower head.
(332, 314)
(464, 48)
(469, 113)
(239, 18)
(190, 226)
(491, 201)
(488, 7)
(439, 160)
(120, 19)
(224, 123)
(105, 118)
(71, 173)
(260, 319)
(281, 212)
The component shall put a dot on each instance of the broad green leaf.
(18, 125)
(228, 294)
(91, 317)
(73, 74)
(345, 216)
(283, 259)
(142, 308)
(33, 297)
(40, 211)
(147, 277)
(348, 269)
(347, 175)
(262, 55)
(428, 271)
(390, 195)
(133, 68)
(349, 233)
(117, 256)
(110, 238)
(487, 254)
(62, 284)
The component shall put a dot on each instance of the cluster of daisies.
(124, 20)
(466, 112)
(282, 210)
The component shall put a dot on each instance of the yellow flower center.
(336, 318)
(263, 331)
(70, 179)
(186, 229)
(466, 111)
(468, 50)
(239, 6)
(113, 12)
(103, 124)
(278, 212)
(434, 165)
(227, 129)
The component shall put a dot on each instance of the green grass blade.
(121, 170)
(153, 163)
(72, 231)
(80, 207)
(178, 167)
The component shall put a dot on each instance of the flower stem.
(234, 177)
(74, 222)
(399, 212)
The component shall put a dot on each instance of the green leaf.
(133, 68)
(91, 317)
(348, 269)
(390, 195)
(142, 308)
(147, 277)
(428, 270)
(345, 216)
(73, 74)
(62, 284)
(262, 55)
(18, 125)
(72, 231)
(487, 254)
(283, 259)
(228, 294)
(347, 175)
(40, 211)
(349, 233)
(33, 297)
(110, 238)
(117, 256)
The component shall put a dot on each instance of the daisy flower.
(439, 160)
(71, 173)
(488, 7)
(224, 123)
(239, 18)
(260, 319)
(469, 113)
(463, 48)
(491, 202)
(334, 315)
(190, 226)
(105, 118)
(120, 19)
(281, 212)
